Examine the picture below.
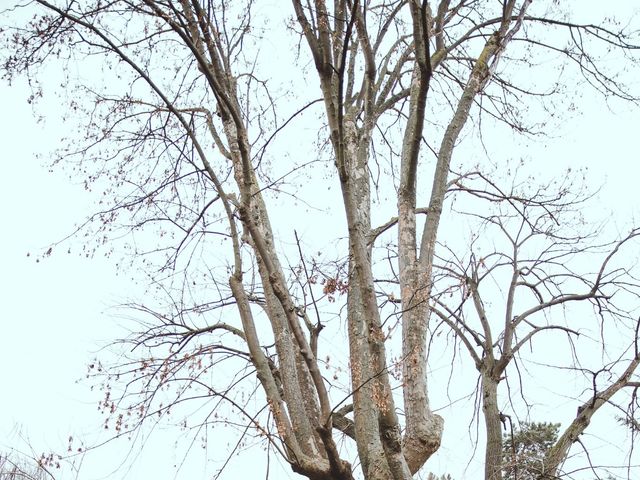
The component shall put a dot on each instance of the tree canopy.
(329, 200)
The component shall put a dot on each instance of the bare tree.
(537, 264)
(190, 135)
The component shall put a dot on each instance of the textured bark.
(423, 428)
(357, 207)
(493, 427)
(367, 430)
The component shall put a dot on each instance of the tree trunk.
(493, 426)
(367, 432)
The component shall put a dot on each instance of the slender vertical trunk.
(493, 426)
(370, 450)
(373, 405)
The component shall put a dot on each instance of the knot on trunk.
(422, 441)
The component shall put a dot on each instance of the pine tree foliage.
(524, 450)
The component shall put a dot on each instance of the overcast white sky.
(55, 313)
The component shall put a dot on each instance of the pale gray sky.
(56, 312)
